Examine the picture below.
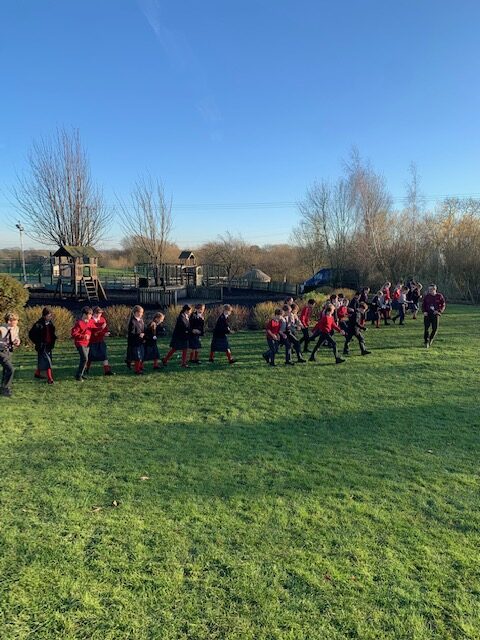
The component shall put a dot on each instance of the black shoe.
(339, 360)
(232, 362)
(366, 352)
(109, 373)
(301, 360)
(7, 393)
(394, 320)
(312, 358)
(51, 381)
(79, 378)
(272, 364)
(289, 363)
(265, 357)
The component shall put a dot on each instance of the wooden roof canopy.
(76, 252)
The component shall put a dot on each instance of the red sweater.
(433, 302)
(82, 332)
(326, 324)
(99, 331)
(342, 312)
(273, 326)
(305, 315)
(386, 293)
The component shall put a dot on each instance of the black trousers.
(305, 339)
(82, 365)
(350, 336)
(295, 344)
(430, 321)
(8, 370)
(328, 340)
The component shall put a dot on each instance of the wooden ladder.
(90, 289)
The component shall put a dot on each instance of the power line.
(272, 204)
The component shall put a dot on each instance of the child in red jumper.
(98, 347)
(272, 333)
(81, 334)
(322, 330)
(304, 317)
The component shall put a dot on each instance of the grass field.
(311, 502)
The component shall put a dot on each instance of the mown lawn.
(316, 501)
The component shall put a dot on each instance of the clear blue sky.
(234, 102)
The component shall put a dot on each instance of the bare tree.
(327, 223)
(58, 199)
(147, 220)
(231, 252)
(372, 203)
(415, 207)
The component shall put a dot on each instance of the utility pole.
(21, 230)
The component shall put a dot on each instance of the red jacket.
(305, 315)
(273, 326)
(82, 332)
(99, 331)
(396, 294)
(326, 324)
(342, 312)
(386, 293)
(433, 302)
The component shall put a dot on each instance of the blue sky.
(235, 102)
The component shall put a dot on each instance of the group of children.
(335, 316)
(349, 318)
(346, 317)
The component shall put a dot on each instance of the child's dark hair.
(97, 310)
(311, 301)
(87, 310)
(186, 307)
(46, 312)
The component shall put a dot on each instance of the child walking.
(81, 334)
(197, 330)
(153, 331)
(136, 340)
(43, 336)
(433, 306)
(305, 316)
(322, 330)
(272, 334)
(220, 335)
(98, 346)
(293, 323)
(9, 340)
(180, 336)
(356, 327)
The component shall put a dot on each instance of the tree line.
(349, 223)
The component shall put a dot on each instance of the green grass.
(316, 501)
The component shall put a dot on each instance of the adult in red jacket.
(81, 334)
(433, 306)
